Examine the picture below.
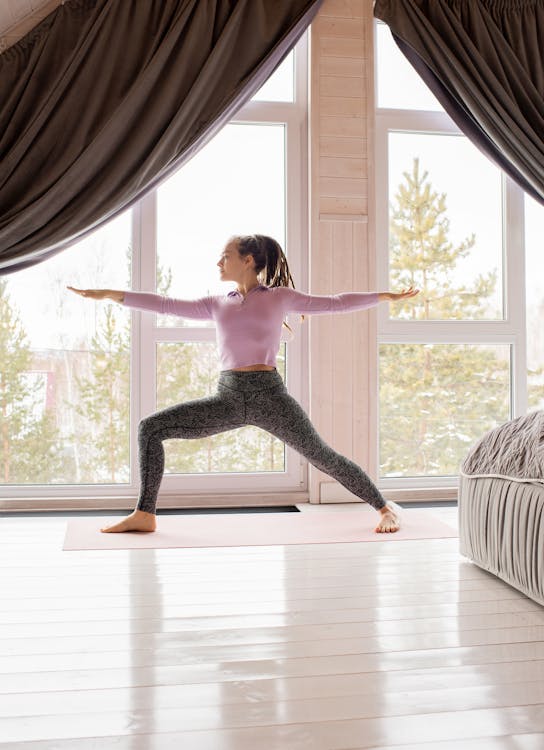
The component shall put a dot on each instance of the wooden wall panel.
(342, 105)
(343, 127)
(330, 146)
(350, 28)
(345, 9)
(343, 345)
(346, 208)
(342, 370)
(348, 67)
(340, 86)
(340, 167)
(321, 331)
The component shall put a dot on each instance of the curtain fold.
(483, 61)
(106, 98)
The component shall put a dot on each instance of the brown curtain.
(106, 98)
(483, 60)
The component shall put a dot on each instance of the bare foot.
(390, 518)
(138, 520)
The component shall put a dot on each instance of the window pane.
(66, 388)
(235, 185)
(399, 86)
(534, 232)
(445, 228)
(280, 85)
(436, 400)
(187, 371)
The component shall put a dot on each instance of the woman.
(250, 390)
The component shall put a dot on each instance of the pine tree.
(435, 399)
(104, 401)
(104, 397)
(30, 446)
(422, 255)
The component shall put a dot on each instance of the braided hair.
(270, 261)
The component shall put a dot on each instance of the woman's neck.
(246, 288)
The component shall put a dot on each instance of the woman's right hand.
(112, 294)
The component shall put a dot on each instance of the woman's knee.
(158, 420)
(146, 425)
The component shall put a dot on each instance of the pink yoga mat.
(254, 529)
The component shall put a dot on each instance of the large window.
(65, 368)
(456, 360)
(78, 375)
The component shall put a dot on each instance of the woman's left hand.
(393, 296)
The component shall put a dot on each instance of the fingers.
(410, 292)
(82, 292)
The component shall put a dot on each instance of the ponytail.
(270, 261)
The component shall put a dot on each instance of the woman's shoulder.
(279, 294)
(278, 290)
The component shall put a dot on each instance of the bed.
(501, 504)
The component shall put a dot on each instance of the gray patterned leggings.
(244, 398)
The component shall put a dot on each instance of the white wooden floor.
(377, 645)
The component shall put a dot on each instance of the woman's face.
(232, 266)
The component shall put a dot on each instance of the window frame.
(511, 330)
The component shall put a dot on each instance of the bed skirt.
(501, 529)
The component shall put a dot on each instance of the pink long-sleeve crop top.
(248, 329)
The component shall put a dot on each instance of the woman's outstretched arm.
(199, 309)
(316, 304)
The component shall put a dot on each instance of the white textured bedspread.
(513, 450)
